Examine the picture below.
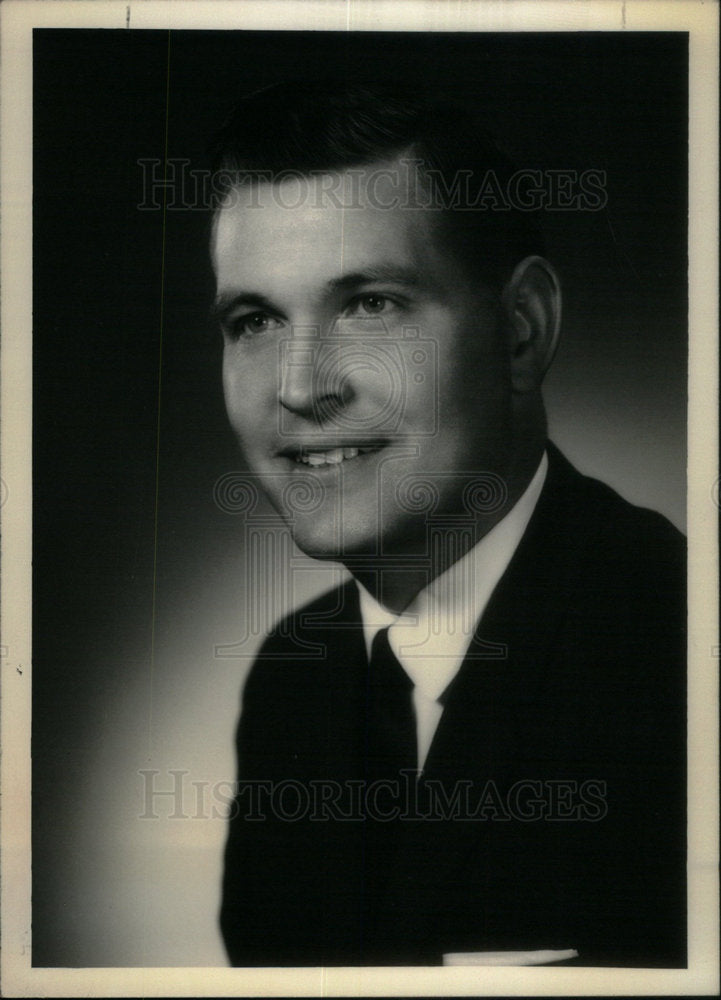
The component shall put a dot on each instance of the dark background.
(137, 572)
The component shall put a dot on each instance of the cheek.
(472, 359)
(231, 388)
(241, 394)
(474, 385)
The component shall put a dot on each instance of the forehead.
(325, 224)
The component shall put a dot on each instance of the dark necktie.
(390, 720)
(390, 747)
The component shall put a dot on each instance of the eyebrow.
(381, 272)
(225, 304)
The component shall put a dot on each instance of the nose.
(312, 384)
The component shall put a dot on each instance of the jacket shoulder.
(303, 642)
(603, 525)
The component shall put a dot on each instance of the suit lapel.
(503, 674)
(492, 730)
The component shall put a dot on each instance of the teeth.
(332, 457)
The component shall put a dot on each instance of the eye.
(252, 324)
(370, 304)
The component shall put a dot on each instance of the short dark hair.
(311, 127)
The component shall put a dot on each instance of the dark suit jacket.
(564, 730)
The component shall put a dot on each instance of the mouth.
(317, 458)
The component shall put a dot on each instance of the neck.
(395, 588)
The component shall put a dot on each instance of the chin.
(326, 546)
(330, 541)
(315, 538)
(360, 542)
(320, 546)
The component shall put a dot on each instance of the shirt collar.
(431, 637)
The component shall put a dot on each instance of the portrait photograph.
(359, 499)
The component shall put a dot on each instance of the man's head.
(387, 325)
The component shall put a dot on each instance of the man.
(473, 751)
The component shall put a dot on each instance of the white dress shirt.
(430, 638)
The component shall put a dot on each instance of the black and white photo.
(365, 634)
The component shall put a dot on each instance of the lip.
(297, 449)
(297, 452)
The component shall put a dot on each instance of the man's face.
(364, 370)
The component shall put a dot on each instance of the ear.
(532, 304)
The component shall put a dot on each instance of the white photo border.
(19, 18)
